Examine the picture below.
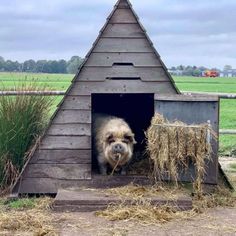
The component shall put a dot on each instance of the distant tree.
(47, 68)
(202, 68)
(11, 66)
(2, 61)
(188, 70)
(227, 67)
(180, 67)
(16, 65)
(40, 66)
(62, 66)
(54, 67)
(73, 64)
(29, 66)
(197, 72)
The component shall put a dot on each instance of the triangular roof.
(128, 18)
(121, 60)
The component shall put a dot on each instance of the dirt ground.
(216, 221)
(220, 221)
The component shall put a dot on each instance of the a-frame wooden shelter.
(122, 63)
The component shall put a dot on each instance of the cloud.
(184, 32)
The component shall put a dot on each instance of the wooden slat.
(123, 16)
(123, 45)
(123, 30)
(186, 98)
(227, 131)
(101, 73)
(77, 102)
(220, 95)
(72, 116)
(61, 156)
(50, 185)
(94, 199)
(70, 129)
(107, 59)
(123, 4)
(122, 86)
(58, 171)
(65, 142)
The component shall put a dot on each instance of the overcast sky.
(189, 32)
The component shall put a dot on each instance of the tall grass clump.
(22, 120)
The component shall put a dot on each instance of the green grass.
(22, 120)
(227, 106)
(201, 84)
(233, 166)
(221, 85)
(22, 203)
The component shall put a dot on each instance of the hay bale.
(172, 146)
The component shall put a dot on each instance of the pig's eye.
(127, 139)
(110, 139)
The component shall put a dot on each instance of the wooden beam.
(220, 95)
(227, 131)
(39, 93)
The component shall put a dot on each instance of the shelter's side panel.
(57, 156)
(66, 145)
(67, 172)
(144, 73)
(122, 86)
(193, 111)
(123, 45)
(64, 153)
(123, 15)
(124, 30)
(108, 59)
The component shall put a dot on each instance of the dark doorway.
(136, 109)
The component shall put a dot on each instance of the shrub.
(22, 120)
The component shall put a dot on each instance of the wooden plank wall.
(194, 111)
(64, 154)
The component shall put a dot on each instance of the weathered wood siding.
(123, 31)
(145, 73)
(122, 86)
(64, 154)
(123, 15)
(76, 129)
(123, 45)
(193, 111)
(107, 59)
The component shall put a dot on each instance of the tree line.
(194, 70)
(42, 66)
(71, 66)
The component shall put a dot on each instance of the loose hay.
(28, 221)
(144, 213)
(137, 192)
(172, 146)
(36, 220)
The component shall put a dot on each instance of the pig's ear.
(134, 141)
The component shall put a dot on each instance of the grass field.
(223, 85)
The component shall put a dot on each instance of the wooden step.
(86, 200)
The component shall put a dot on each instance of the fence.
(57, 93)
